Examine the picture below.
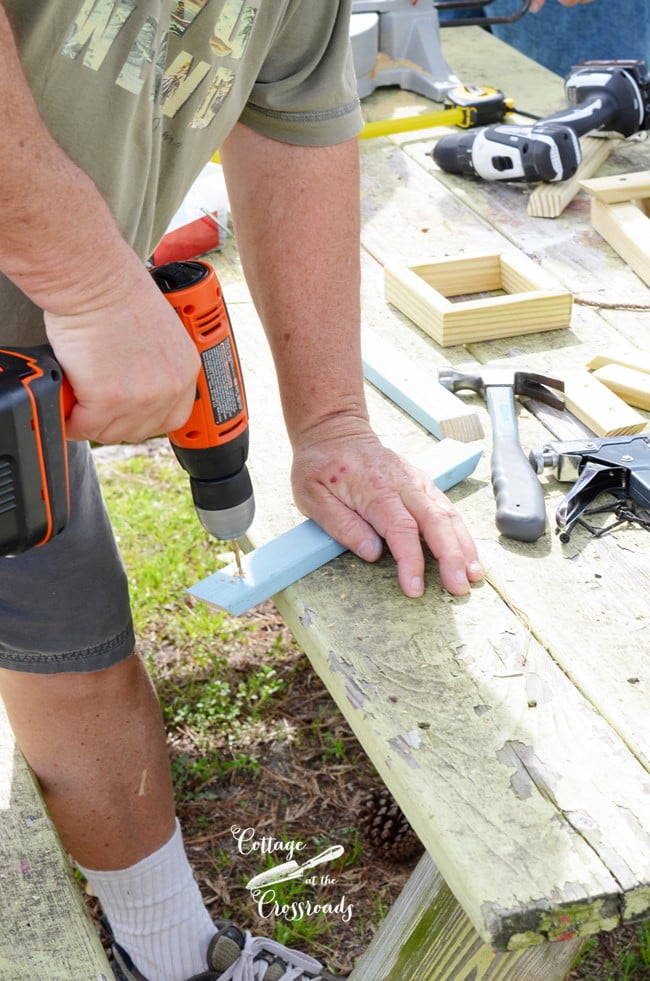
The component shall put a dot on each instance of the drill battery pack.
(34, 489)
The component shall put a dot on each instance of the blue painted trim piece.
(299, 551)
(269, 568)
(417, 392)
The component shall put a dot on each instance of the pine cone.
(383, 823)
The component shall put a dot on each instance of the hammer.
(520, 499)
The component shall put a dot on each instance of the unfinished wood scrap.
(550, 200)
(594, 404)
(630, 385)
(619, 212)
(639, 360)
(619, 187)
(626, 227)
(529, 299)
(416, 390)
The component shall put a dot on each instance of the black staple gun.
(619, 465)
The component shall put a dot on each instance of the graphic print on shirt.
(99, 22)
(228, 40)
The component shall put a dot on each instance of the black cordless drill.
(606, 96)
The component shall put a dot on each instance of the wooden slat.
(427, 937)
(630, 385)
(637, 360)
(416, 390)
(619, 187)
(46, 933)
(625, 227)
(599, 407)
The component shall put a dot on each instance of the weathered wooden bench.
(512, 726)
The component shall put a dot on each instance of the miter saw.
(397, 42)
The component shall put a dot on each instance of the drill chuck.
(225, 508)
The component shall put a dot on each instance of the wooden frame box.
(531, 301)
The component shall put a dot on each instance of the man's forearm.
(296, 214)
(52, 215)
(131, 365)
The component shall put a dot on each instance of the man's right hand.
(129, 360)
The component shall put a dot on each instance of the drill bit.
(237, 553)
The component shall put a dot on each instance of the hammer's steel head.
(522, 383)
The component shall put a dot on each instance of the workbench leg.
(427, 937)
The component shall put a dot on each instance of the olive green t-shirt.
(141, 94)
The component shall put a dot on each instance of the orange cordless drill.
(212, 446)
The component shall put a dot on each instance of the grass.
(255, 740)
(623, 955)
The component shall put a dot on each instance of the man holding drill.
(109, 110)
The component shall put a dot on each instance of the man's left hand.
(361, 493)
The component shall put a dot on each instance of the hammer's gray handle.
(521, 513)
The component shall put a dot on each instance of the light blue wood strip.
(292, 555)
(417, 391)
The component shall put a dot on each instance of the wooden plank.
(630, 385)
(299, 551)
(625, 227)
(427, 937)
(637, 360)
(550, 200)
(616, 188)
(46, 933)
(416, 390)
(598, 407)
(487, 747)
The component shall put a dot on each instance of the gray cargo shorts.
(64, 606)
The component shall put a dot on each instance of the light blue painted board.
(417, 391)
(299, 551)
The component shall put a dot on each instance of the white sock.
(156, 912)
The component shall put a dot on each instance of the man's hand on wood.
(361, 493)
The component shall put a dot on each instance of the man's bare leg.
(97, 744)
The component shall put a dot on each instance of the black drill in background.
(606, 96)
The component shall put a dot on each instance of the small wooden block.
(639, 361)
(417, 391)
(550, 200)
(630, 385)
(534, 301)
(626, 227)
(603, 411)
(277, 564)
(620, 187)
